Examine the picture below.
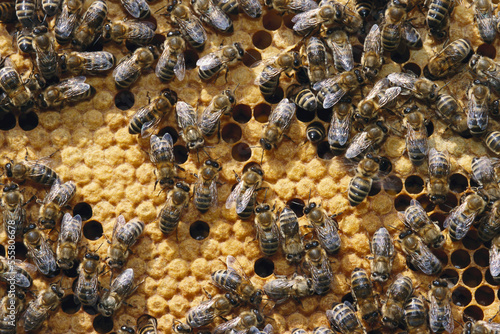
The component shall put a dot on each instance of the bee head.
(173, 33)
(183, 186)
(311, 245)
(240, 50)
(309, 207)
(127, 329)
(265, 144)
(170, 95)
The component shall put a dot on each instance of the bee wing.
(317, 273)
(217, 17)
(434, 168)
(231, 199)
(494, 260)
(477, 116)
(227, 326)
(43, 258)
(67, 231)
(384, 248)
(66, 196)
(168, 147)
(485, 22)
(339, 129)
(54, 191)
(194, 29)
(132, 7)
(441, 315)
(379, 87)
(210, 117)
(389, 95)
(234, 265)
(373, 41)
(453, 214)
(252, 8)
(403, 80)
(410, 34)
(99, 61)
(92, 284)
(488, 173)
(149, 127)
(243, 200)
(213, 192)
(119, 223)
(343, 52)
(66, 22)
(417, 139)
(180, 67)
(74, 87)
(122, 68)
(302, 5)
(20, 278)
(283, 113)
(306, 20)
(185, 114)
(205, 311)
(423, 259)
(333, 99)
(123, 285)
(359, 143)
(268, 329)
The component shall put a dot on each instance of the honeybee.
(325, 227)
(67, 91)
(382, 250)
(267, 230)
(129, 67)
(268, 329)
(215, 62)
(50, 7)
(12, 273)
(420, 88)
(416, 219)
(205, 190)
(241, 323)
(439, 171)
(380, 95)
(478, 108)
(364, 7)
(162, 156)
(24, 40)
(134, 32)
(177, 202)
(360, 185)
(281, 289)
(291, 239)
(14, 301)
(397, 295)
(138, 9)
(372, 57)
(190, 26)
(416, 137)
(489, 226)
(316, 59)
(391, 34)
(212, 15)
(317, 264)
(14, 213)
(204, 313)
(438, 17)
(190, 130)
(236, 281)
(485, 20)
(124, 236)
(450, 111)
(338, 41)
(57, 198)
(252, 8)
(69, 237)
(32, 170)
(11, 83)
(26, 12)
(39, 308)
(481, 327)
(279, 122)
(269, 77)
(440, 315)
(461, 218)
(147, 324)
(495, 258)
(245, 192)
(447, 62)
(340, 126)
(121, 288)
(362, 293)
(419, 254)
(67, 20)
(302, 96)
(369, 139)
(172, 59)
(221, 104)
(332, 90)
(299, 331)
(127, 330)
(315, 132)
(486, 69)
(343, 318)
(483, 172)
(181, 328)
(90, 25)
(492, 141)
(87, 63)
(87, 286)
(147, 118)
(8, 12)
(40, 251)
(416, 316)
(46, 56)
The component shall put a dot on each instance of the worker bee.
(420, 88)
(364, 7)
(181, 328)
(245, 192)
(438, 17)
(12, 273)
(416, 219)
(416, 136)
(205, 190)
(481, 327)
(69, 237)
(172, 59)
(204, 313)
(46, 56)
(332, 90)
(215, 62)
(252, 8)
(478, 108)
(40, 251)
(212, 15)
(440, 315)
(380, 96)
(372, 59)
(147, 324)
(316, 59)
(416, 316)
(447, 62)
(24, 40)
(121, 288)
(221, 104)
(39, 308)
(236, 281)
(369, 139)
(177, 202)
(129, 67)
(291, 239)
(138, 9)
(281, 289)
(486, 69)
(461, 218)
(382, 250)
(397, 295)
(279, 122)
(450, 111)
(490, 224)
(15, 302)
(317, 264)
(50, 7)
(292, 6)
(26, 12)
(267, 230)
(67, 91)
(90, 25)
(32, 170)
(325, 227)
(14, 214)
(344, 320)
(67, 20)
(11, 83)
(189, 125)
(494, 254)
(241, 323)
(315, 132)
(134, 32)
(302, 96)
(124, 236)
(190, 26)
(147, 118)
(338, 41)
(439, 171)
(87, 63)
(87, 286)
(419, 254)
(8, 12)
(362, 293)
(162, 156)
(492, 141)
(485, 20)
(361, 183)
(340, 126)
(397, 29)
(483, 172)
(57, 198)
(269, 78)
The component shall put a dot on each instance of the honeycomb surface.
(114, 176)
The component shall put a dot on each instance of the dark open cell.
(91, 310)
(450, 203)
(191, 57)
(261, 112)
(231, 133)
(199, 230)
(241, 152)
(84, 210)
(430, 127)
(297, 205)
(485, 295)
(73, 272)
(348, 298)
(375, 189)
(272, 20)
(487, 50)
(375, 331)
(458, 183)
(151, 22)
(441, 255)
(472, 277)
(103, 324)
(324, 151)
(385, 165)
(250, 57)
(131, 46)
(124, 100)
(158, 39)
(393, 185)
(482, 257)
(426, 203)
(20, 250)
(450, 275)
(28, 121)
(263, 267)
(412, 67)
(461, 296)
(471, 240)
(242, 113)
(7, 121)
(92, 230)
(171, 131)
(304, 115)
(69, 306)
(473, 183)
(180, 154)
(324, 114)
(400, 56)
(357, 51)
(460, 259)
(262, 39)
(473, 312)
(402, 202)
(414, 184)
(276, 97)
(287, 20)
(438, 217)
(410, 265)
(2, 250)
(97, 45)
(490, 279)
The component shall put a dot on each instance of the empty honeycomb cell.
(441, 255)
(473, 183)
(472, 277)
(473, 312)
(231, 133)
(28, 121)
(69, 306)
(324, 152)
(460, 259)
(487, 50)
(400, 56)
(482, 257)
(171, 131)
(251, 57)
(450, 275)
(484, 295)
(450, 203)
(375, 188)
(439, 218)
(124, 100)
(304, 115)
(414, 184)
(401, 202)
(458, 183)
(261, 112)
(392, 185)
(385, 165)
(324, 114)
(461, 296)
(102, 324)
(357, 51)
(92, 230)
(7, 121)
(287, 20)
(426, 203)
(180, 154)
(297, 205)
(241, 152)
(20, 250)
(242, 113)
(263, 267)
(2, 250)
(262, 39)
(429, 127)
(471, 240)
(412, 67)
(276, 97)
(272, 20)
(347, 298)
(191, 57)
(199, 230)
(91, 310)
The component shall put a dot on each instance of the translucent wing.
(123, 285)
(359, 144)
(417, 139)
(65, 22)
(124, 67)
(403, 80)
(234, 195)
(73, 87)
(487, 173)
(423, 259)
(477, 115)
(186, 115)
(20, 277)
(217, 17)
(328, 235)
(148, 128)
(227, 326)
(180, 67)
(213, 192)
(373, 41)
(68, 232)
(243, 200)
(283, 114)
(385, 248)
(205, 312)
(252, 8)
(234, 265)
(210, 118)
(194, 29)
(379, 87)
(119, 224)
(435, 169)
(91, 286)
(306, 20)
(268, 329)
(164, 149)
(333, 99)
(268, 73)
(340, 129)
(132, 7)
(440, 315)
(54, 191)
(389, 95)
(97, 61)
(43, 257)
(302, 5)
(343, 52)
(486, 24)
(317, 273)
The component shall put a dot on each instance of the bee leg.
(209, 296)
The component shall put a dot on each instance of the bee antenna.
(161, 9)
(446, 84)
(208, 155)
(98, 247)
(262, 156)
(309, 198)
(265, 195)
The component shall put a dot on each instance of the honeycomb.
(114, 176)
